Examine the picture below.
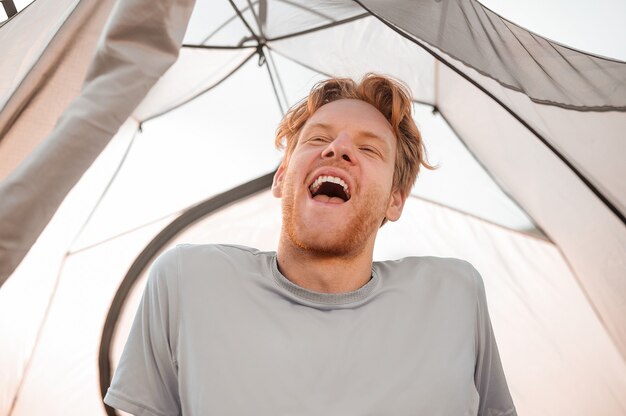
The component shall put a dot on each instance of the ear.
(396, 204)
(277, 183)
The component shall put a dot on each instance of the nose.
(340, 147)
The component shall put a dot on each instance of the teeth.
(316, 184)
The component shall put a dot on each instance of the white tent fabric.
(518, 121)
(31, 73)
(120, 76)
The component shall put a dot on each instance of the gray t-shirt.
(220, 331)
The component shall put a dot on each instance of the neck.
(323, 273)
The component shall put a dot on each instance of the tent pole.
(9, 8)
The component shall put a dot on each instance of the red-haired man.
(317, 327)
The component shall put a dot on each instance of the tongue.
(330, 199)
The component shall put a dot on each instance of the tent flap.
(120, 76)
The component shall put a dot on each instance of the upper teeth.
(316, 184)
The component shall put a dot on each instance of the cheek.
(291, 181)
(390, 172)
(300, 162)
(384, 173)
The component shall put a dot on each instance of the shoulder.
(211, 251)
(434, 274)
(186, 256)
(203, 262)
(185, 253)
(429, 267)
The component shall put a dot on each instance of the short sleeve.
(146, 380)
(495, 399)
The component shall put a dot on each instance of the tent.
(163, 144)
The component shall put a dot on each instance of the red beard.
(346, 241)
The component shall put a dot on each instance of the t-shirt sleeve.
(495, 399)
(146, 380)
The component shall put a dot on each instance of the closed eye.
(370, 150)
(319, 139)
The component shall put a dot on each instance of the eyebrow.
(360, 133)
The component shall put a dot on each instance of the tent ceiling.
(469, 34)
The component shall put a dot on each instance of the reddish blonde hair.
(389, 96)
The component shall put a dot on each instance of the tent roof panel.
(356, 48)
(205, 147)
(546, 71)
(195, 72)
(548, 190)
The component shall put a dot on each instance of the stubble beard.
(348, 241)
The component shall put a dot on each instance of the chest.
(288, 359)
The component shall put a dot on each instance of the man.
(317, 328)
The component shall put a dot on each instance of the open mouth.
(326, 188)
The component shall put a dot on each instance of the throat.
(324, 274)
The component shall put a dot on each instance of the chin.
(328, 247)
(347, 241)
(325, 236)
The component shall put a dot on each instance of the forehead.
(353, 115)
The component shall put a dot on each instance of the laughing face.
(337, 185)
